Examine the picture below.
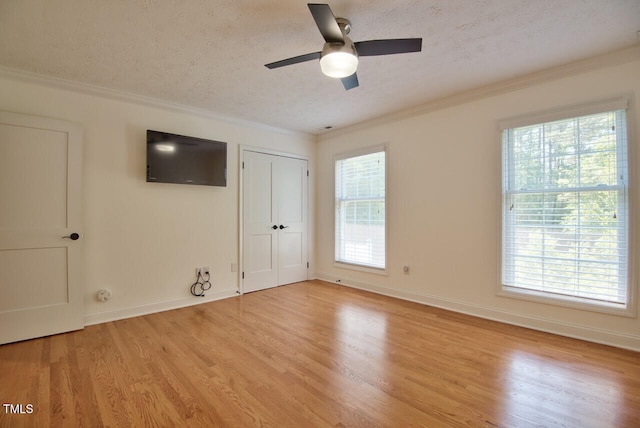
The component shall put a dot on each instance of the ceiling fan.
(339, 56)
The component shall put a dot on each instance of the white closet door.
(41, 291)
(275, 199)
(260, 239)
(292, 216)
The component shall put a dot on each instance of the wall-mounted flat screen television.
(179, 159)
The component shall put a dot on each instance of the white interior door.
(41, 289)
(275, 199)
(260, 229)
(292, 220)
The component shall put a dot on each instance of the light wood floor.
(317, 354)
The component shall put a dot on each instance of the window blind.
(565, 208)
(360, 210)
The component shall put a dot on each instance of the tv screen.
(179, 159)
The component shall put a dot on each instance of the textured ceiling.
(210, 54)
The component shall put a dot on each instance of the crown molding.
(103, 92)
(617, 57)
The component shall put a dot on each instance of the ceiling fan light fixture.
(338, 60)
(339, 56)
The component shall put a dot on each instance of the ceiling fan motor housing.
(345, 25)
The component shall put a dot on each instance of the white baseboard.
(136, 311)
(605, 337)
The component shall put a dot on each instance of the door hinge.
(243, 165)
(307, 173)
(307, 265)
(242, 275)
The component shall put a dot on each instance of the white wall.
(444, 203)
(144, 240)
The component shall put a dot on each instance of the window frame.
(352, 154)
(629, 309)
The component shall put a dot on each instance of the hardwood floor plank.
(322, 355)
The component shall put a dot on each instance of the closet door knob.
(74, 236)
(274, 227)
(283, 227)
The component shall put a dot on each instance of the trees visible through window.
(565, 209)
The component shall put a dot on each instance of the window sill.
(360, 268)
(627, 310)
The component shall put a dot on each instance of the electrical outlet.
(205, 270)
(104, 295)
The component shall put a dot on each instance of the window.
(360, 209)
(565, 217)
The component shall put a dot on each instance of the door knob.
(283, 227)
(274, 227)
(74, 236)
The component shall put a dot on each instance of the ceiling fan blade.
(388, 46)
(350, 82)
(326, 22)
(294, 60)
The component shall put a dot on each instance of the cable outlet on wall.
(205, 270)
(198, 271)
